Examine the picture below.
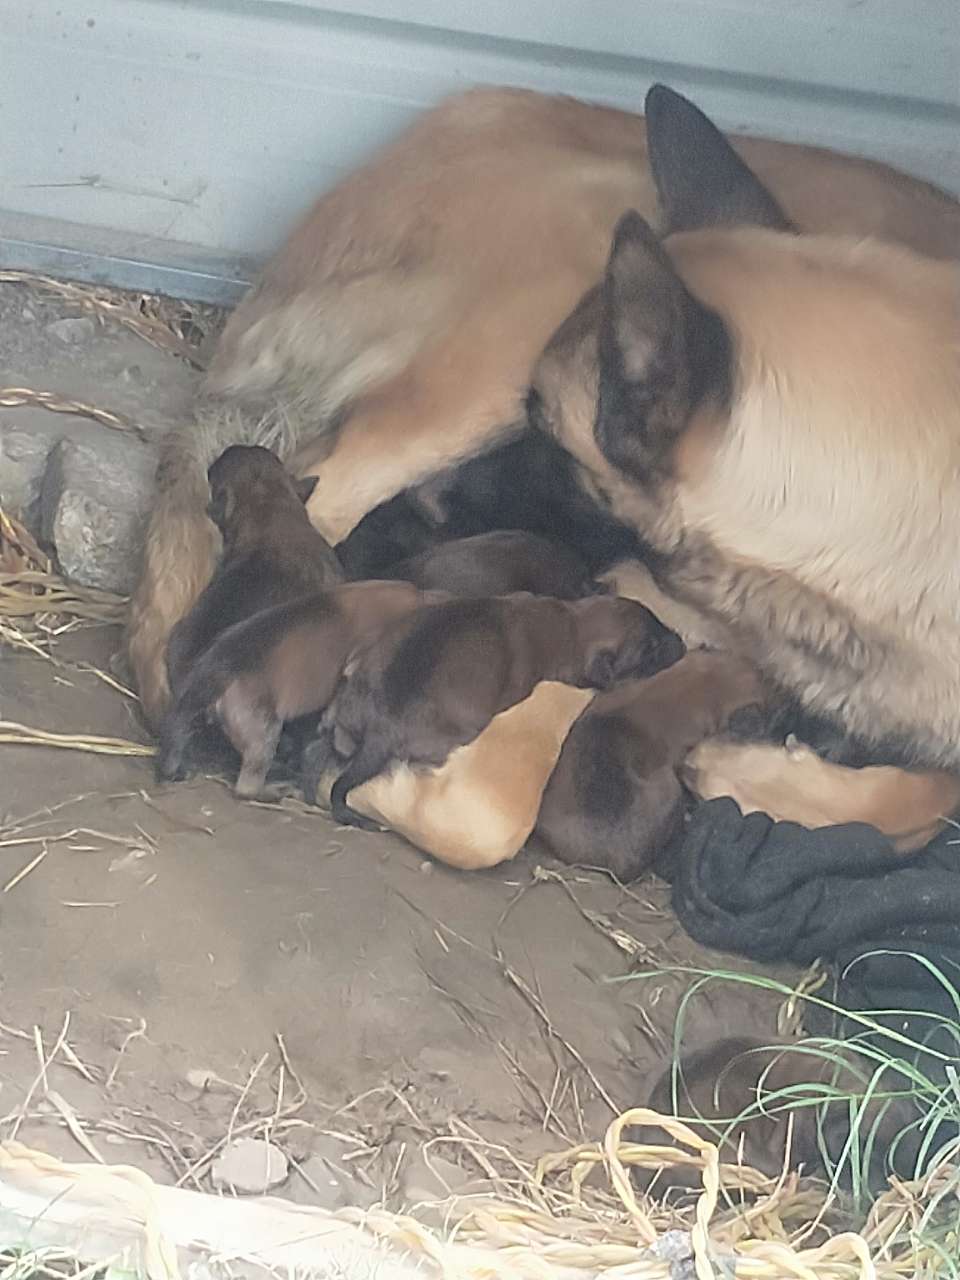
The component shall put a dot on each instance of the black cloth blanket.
(777, 891)
(887, 924)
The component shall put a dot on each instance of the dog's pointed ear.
(660, 351)
(305, 486)
(701, 181)
(644, 304)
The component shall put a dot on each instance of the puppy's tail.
(181, 543)
(364, 766)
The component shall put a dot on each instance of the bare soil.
(206, 967)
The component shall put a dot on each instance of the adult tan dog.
(396, 330)
(779, 417)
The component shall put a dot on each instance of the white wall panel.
(196, 131)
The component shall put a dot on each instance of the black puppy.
(529, 484)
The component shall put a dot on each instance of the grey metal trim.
(91, 255)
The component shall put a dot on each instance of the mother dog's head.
(732, 326)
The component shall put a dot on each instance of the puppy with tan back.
(433, 682)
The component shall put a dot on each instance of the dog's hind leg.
(254, 728)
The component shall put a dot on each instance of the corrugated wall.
(145, 139)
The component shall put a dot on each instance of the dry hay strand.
(25, 736)
(31, 588)
(743, 1223)
(37, 591)
(16, 397)
(523, 1237)
(166, 323)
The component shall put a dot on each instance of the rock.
(72, 329)
(23, 460)
(250, 1166)
(437, 1179)
(331, 1184)
(94, 504)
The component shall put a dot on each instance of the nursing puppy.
(498, 564)
(778, 416)
(614, 798)
(280, 665)
(736, 1077)
(271, 551)
(433, 682)
(394, 333)
(529, 484)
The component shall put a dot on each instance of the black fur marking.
(529, 484)
(700, 179)
(412, 666)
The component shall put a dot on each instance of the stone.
(72, 329)
(330, 1183)
(94, 504)
(436, 1179)
(23, 460)
(250, 1166)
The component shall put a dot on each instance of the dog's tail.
(364, 766)
(181, 543)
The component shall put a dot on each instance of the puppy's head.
(248, 481)
(621, 638)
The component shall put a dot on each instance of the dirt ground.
(195, 968)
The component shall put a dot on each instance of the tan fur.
(480, 806)
(792, 784)
(819, 516)
(410, 305)
(634, 581)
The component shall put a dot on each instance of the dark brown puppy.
(271, 551)
(281, 664)
(614, 798)
(433, 682)
(499, 564)
(724, 1093)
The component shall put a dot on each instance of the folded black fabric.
(777, 891)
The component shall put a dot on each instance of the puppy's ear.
(221, 506)
(600, 666)
(305, 487)
(661, 353)
(700, 179)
